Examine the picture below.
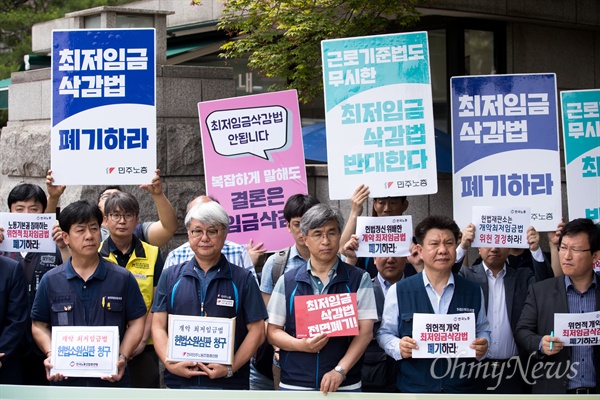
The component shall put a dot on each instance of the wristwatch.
(340, 370)
(229, 371)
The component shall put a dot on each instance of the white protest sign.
(202, 339)
(384, 236)
(379, 115)
(85, 351)
(27, 232)
(578, 329)
(257, 142)
(103, 98)
(444, 335)
(501, 226)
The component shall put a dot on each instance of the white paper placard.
(202, 339)
(578, 329)
(85, 351)
(444, 335)
(28, 232)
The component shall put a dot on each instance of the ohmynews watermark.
(530, 371)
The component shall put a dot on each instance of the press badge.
(225, 302)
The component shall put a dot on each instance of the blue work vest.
(187, 298)
(416, 374)
(307, 369)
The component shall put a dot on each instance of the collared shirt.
(388, 335)
(584, 355)
(266, 278)
(365, 299)
(123, 258)
(235, 254)
(385, 285)
(502, 345)
(88, 292)
(364, 296)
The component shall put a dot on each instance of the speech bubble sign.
(241, 131)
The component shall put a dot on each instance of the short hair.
(209, 214)
(582, 225)
(319, 215)
(81, 211)
(121, 200)
(25, 192)
(188, 208)
(297, 205)
(374, 213)
(436, 222)
(114, 187)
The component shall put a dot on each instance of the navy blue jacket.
(415, 374)
(307, 369)
(13, 318)
(230, 283)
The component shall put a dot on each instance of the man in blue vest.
(322, 363)
(436, 290)
(70, 295)
(209, 285)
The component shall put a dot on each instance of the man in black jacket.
(504, 290)
(560, 369)
(13, 319)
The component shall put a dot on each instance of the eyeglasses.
(210, 233)
(565, 249)
(319, 236)
(117, 217)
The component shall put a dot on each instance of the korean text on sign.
(333, 314)
(443, 335)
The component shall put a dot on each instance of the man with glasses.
(577, 368)
(235, 253)
(276, 265)
(157, 233)
(322, 363)
(145, 262)
(209, 285)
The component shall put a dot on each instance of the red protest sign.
(333, 314)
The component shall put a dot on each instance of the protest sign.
(384, 236)
(379, 115)
(443, 335)
(333, 314)
(253, 162)
(103, 106)
(581, 134)
(202, 339)
(501, 227)
(505, 146)
(28, 232)
(582, 329)
(85, 351)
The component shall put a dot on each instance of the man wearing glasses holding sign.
(209, 286)
(573, 369)
(321, 362)
(145, 262)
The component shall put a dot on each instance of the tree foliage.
(18, 16)
(282, 37)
